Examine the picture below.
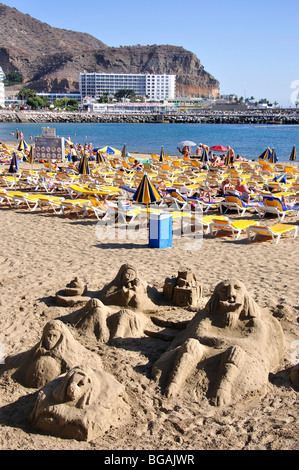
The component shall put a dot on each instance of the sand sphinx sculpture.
(81, 404)
(226, 351)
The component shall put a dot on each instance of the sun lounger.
(235, 227)
(275, 231)
(274, 205)
(233, 201)
(125, 213)
(7, 196)
(174, 197)
(203, 222)
(30, 200)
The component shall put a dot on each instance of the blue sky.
(251, 47)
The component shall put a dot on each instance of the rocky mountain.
(50, 59)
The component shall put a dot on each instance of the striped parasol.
(205, 156)
(17, 134)
(100, 157)
(162, 155)
(83, 165)
(23, 145)
(124, 152)
(30, 155)
(293, 154)
(227, 159)
(273, 158)
(13, 164)
(146, 193)
(265, 155)
(108, 150)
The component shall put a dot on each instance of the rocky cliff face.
(50, 59)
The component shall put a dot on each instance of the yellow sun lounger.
(274, 232)
(203, 222)
(235, 227)
(273, 205)
(8, 196)
(31, 200)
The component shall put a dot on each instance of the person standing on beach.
(231, 155)
(73, 154)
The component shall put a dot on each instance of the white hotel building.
(2, 89)
(155, 87)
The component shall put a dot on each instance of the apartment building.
(153, 86)
(2, 89)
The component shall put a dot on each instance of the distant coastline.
(275, 117)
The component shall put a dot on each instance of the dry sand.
(42, 252)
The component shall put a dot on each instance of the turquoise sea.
(248, 140)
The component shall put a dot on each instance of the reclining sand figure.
(82, 404)
(56, 353)
(127, 290)
(231, 342)
(97, 320)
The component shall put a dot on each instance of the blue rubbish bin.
(160, 230)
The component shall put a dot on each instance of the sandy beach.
(42, 252)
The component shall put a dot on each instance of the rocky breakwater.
(73, 117)
(286, 117)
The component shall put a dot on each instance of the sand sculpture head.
(78, 386)
(81, 404)
(230, 303)
(56, 353)
(126, 290)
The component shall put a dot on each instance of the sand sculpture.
(56, 353)
(73, 294)
(227, 350)
(184, 290)
(81, 404)
(127, 290)
(294, 376)
(96, 320)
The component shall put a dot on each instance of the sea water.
(247, 140)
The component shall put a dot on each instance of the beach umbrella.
(69, 142)
(186, 143)
(205, 156)
(23, 145)
(146, 193)
(17, 134)
(108, 150)
(13, 164)
(162, 155)
(30, 155)
(281, 178)
(83, 165)
(293, 154)
(265, 155)
(227, 159)
(100, 157)
(124, 152)
(218, 148)
(273, 158)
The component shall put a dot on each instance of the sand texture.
(43, 252)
